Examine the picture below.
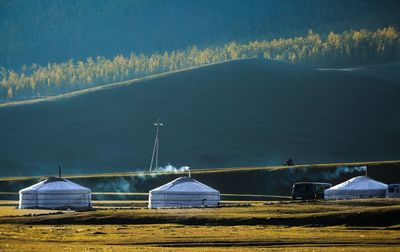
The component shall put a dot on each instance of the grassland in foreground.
(355, 225)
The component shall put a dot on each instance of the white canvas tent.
(183, 192)
(358, 187)
(55, 193)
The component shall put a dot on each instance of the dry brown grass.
(167, 237)
(206, 236)
(12, 211)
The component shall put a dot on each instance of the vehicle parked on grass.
(309, 190)
(393, 191)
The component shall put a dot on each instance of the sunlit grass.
(202, 237)
(166, 237)
(261, 210)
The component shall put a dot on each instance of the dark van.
(393, 191)
(309, 190)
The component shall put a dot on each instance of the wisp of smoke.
(170, 168)
(122, 184)
(119, 184)
(344, 170)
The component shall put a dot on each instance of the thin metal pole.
(152, 156)
(158, 143)
(155, 147)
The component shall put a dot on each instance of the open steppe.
(352, 225)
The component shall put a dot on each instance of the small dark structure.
(289, 162)
(309, 190)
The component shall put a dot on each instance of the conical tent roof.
(55, 193)
(358, 187)
(184, 184)
(359, 183)
(183, 192)
(55, 185)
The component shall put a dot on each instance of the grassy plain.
(246, 224)
(356, 225)
(171, 237)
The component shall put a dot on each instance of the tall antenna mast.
(158, 124)
(59, 171)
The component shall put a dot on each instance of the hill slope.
(248, 112)
(58, 30)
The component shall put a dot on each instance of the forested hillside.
(333, 49)
(57, 30)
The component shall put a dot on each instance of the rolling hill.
(241, 113)
(58, 30)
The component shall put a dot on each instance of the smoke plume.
(172, 169)
(342, 170)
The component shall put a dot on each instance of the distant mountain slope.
(249, 112)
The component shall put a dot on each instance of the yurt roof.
(184, 184)
(359, 183)
(56, 185)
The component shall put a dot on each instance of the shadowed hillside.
(242, 113)
(240, 183)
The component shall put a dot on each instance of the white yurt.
(183, 192)
(55, 193)
(358, 187)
